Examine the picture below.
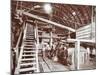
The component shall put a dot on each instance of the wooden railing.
(20, 50)
(18, 42)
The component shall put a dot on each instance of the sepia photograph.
(52, 37)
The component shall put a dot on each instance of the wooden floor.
(90, 65)
(47, 65)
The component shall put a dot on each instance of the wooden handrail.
(18, 42)
(17, 47)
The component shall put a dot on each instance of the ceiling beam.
(48, 21)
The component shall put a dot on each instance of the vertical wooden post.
(88, 54)
(43, 47)
(35, 32)
(91, 35)
(77, 55)
(17, 53)
(37, 45)
(17, 5)
(69, 35)
(73, 60)
(51, 39)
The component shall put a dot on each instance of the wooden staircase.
(28, 59)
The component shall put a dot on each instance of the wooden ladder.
(28, 59)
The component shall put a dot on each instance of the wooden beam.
(40, 22)
(48, 21)
(81, 40)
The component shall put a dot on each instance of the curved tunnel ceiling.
(73, 16)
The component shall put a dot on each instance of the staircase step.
(28, 59)
(27, 69)
(27, 64)
(29, 55)
(30, 45)
(32, 39)
(29, 37)
(29, 48)
(29, 40)
(29, 33)
(25, 42)
(29, 51)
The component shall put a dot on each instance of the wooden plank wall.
(86, 32)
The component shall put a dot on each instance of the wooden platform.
(47, 65)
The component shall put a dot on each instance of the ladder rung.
(28, 42)
(30, 45)
(30, 33)
(29, 55)
(29, 39)
(28, 64)
(28, 59)
(29, 51)
(29, 48)
(29, 36)
(28, 69)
